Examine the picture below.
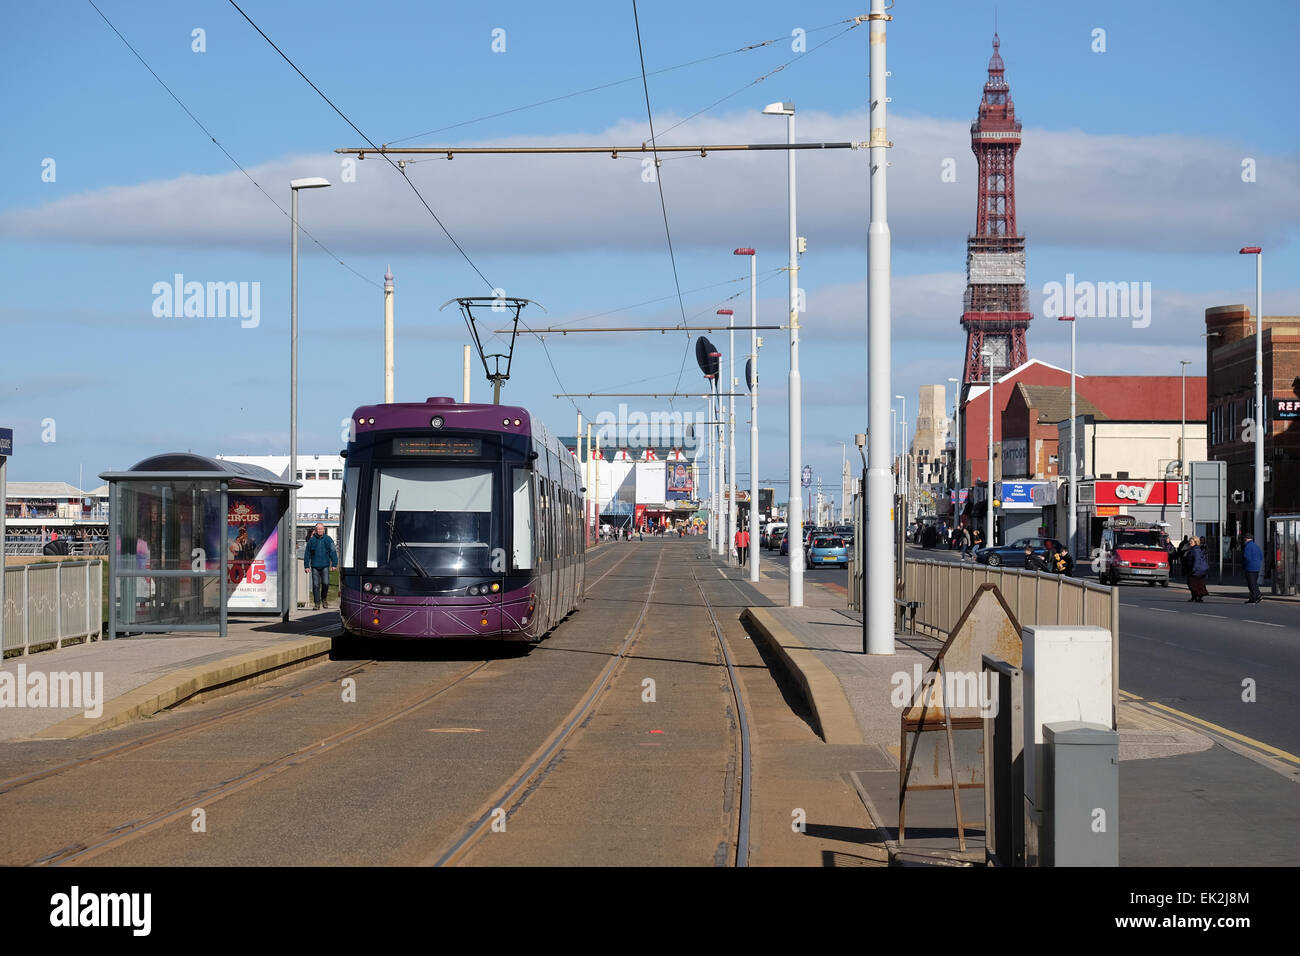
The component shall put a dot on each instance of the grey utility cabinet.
(1081, 784)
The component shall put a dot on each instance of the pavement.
(134, 677)
(849, 696)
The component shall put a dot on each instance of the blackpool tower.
(996, 309)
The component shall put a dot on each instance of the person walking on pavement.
(962, 541)
(742, 546)
(1253, 562)
(319, 558)
(1198, 567)
(1183, 547)
(976, 542)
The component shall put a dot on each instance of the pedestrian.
(977, 542)
(1033, 560)
(1063, 562)
(1253, 562)
(1198, 566)
(742, 546)
(319, 558)
(1183, 547)
(962, 541)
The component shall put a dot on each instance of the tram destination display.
(447, 446)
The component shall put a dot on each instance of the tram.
(459, 522)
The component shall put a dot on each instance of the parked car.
(826, 549)
(785, 542)
(772, 535)
(1013, 555)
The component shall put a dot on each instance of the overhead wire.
(606, 86)
(663, 206)
(358, 131)
(199, 123)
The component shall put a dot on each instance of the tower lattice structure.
(996, 307)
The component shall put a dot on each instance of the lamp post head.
(860, 439)
(725, 312)
(311, 182)
(1250, 250)
(1065, 318)
(779, 109)
(743, 252)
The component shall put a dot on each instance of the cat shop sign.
(1137, 492)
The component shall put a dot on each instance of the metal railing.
(944, 589)
(47, 604)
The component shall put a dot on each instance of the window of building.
(337, 474)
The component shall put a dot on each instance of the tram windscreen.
(435, 521)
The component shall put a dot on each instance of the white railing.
(47, 604)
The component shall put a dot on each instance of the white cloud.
(1171, 193)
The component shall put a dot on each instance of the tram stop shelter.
(191, 539)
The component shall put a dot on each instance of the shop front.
(1028, 509)
(1154, 501)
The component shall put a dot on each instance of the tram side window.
(349, 511)
(522, 534)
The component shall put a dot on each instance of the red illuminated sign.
(1137, 492)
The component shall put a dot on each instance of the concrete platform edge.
(832, 714)
(189, 683)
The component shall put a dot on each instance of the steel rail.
(137, 828)
(744, 784)
(524, 775)
(162, 736)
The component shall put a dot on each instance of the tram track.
(174, 733)
(135, 829)
(512, 795)
(743, 780)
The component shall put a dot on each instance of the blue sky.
(1130, 170)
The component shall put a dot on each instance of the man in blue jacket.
(1253, 561)
(318, 557)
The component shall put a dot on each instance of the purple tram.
(458, 522)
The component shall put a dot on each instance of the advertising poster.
(250, 536)
(680, 487)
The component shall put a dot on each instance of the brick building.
(1230, 362)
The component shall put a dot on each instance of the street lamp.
(988, 496)
(844, 467)
(751, 380)
(1072, 518)
(1261, 414)
(795, 518)
(906, 481)
(1182, 456)
(731, 439)
(313, 182)
(956, 450)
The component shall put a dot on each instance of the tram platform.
(139, 676)
(850, 697)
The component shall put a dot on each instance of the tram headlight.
(472, 589)
(388, 589)
(495, 587)
(367, 586)
(516, 421)
(436, 421)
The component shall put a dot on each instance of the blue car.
(785, 542)
(827, 549)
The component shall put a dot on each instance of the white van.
(772, 534)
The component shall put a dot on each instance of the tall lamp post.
(1072, 518)
(1261, 413)
(731, 437)
(954, 474)
(905, 479)
(795, 518)
(314, 182)
(1182, 455)
(751, 380)
(988, 497)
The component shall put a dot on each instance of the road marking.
(1222, 617)
(1265, 623)
(453, 730)
(1241, 738)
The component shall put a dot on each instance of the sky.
(1158, 139)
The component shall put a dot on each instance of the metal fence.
(944, 589)
(47, 604)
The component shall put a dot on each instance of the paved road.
(436, 736)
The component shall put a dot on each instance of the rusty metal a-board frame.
(987, 626)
